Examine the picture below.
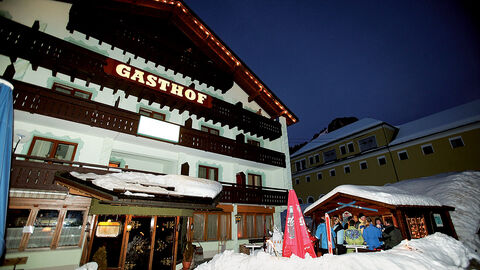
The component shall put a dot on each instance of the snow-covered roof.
(384, 194)
(340, 133)
(444, 120)
(149, 185)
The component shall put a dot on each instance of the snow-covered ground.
(437, 251)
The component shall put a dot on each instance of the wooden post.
(402, 225)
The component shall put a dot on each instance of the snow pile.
(149, 185)
(460, 190)
(437, 251)
(386, 194)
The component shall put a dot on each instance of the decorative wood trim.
(255, 209)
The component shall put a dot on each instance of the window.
(254, 225)
(212, 226)
(310, 199)
(319, 176)
(363, 165)
(346, 169)
(403, 155)
(252, 142)
(382, 160)
(115, 164)
(367, 143)
(456, 142)
(317, 158)
(45, 231)
(208, 172)
(310, 159)
(300, 165)
(210, 130)
(427, 149)
(330, 155)
(152, 114)
(351, 147)
(297, 181)
(343, 150)
(332, 172)
(307, 179)
(254, 180)
(49, 148)
(71, 91)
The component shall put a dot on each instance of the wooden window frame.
(205, 223)
(255, 216)
(261, 180)
(72, 90)
(62, 211)
(55, 144)
(209, 130)
(208, 172)
(152, 114)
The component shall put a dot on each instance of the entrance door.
(163, 251)
(139, 243)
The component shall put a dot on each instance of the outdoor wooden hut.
(415, 215)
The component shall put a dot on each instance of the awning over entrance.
(120, 202)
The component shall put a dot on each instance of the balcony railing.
(29, 172)
(35, 99)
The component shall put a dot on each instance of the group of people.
(348, 231)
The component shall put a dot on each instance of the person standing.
(372, 235)
(392, 235)
(353, 236)
(340, 232)
(362, 222)
(321, 235)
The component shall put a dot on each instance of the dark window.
(402, 155)
(363, 165)
(16, 220)
(317, 158)
(343, 150)
(427, 149)
(152, 114)
(211, 130)
(367, 143)
(307, 179)
(332, 172)
(300, 165)
(351, 148)
(71, 91)
(208, 172)
(297, 181)
(382, 161)
(254, 180)
(456, 142)
(49, 148)
(252, 142)
(72, 228)
(347, 169)
(329, 155)
(310, 159)
(319, 176)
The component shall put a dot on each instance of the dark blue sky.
(394, 61)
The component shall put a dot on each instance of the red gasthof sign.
(141, 77)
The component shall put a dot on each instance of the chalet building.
(145, 86)
(372, 152)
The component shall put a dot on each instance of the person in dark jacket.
(392, 236)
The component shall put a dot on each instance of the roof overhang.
(86, 188)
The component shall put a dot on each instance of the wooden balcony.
(43, 50)
(30, 172)
(47, 102)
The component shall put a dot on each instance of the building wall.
(443, 159)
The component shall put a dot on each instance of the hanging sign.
(155, 82)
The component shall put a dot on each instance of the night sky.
(394, 61)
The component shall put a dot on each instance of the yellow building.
(372, 152)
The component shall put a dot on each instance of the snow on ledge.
(149, 185)
(385, 194)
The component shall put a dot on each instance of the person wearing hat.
(362, 222)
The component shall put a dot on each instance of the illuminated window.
(49, 148)
(254, 180)
(65, 89)
(206, 172)
(211, 226)
(210, 130)
(152, 114)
